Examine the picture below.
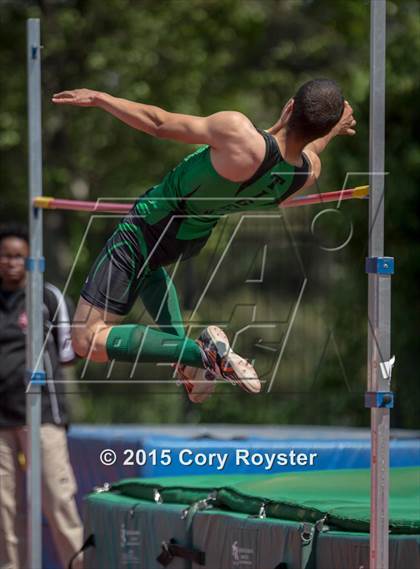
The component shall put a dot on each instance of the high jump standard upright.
(34, 298)
(379, 268)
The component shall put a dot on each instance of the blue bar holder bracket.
(32, 264)
(380, 399)
(380, 265)
(36, 377)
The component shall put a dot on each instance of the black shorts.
(130, 254)
(116, 276)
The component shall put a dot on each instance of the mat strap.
(173, 549)
(309, 538)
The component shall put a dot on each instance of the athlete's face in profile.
(13, 251)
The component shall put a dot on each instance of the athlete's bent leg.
(119, 274)
(138, 343)
(90, 330)
(146, 344)
(97, 336)
(158, 294)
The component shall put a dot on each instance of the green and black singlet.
(175, 218)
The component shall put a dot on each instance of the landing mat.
(343, 496)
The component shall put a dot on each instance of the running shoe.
(221, 360)
(199, 383)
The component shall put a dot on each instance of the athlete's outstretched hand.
(77, 97)
(347, 122)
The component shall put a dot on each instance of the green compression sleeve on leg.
(159, 296)
(135, 342)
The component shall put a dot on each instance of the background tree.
(199, 57)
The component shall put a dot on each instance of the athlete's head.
(317, 107)
(14, 247)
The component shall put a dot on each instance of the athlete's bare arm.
(237, 148)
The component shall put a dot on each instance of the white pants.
(58, 490)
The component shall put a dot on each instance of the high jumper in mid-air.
(239, 167)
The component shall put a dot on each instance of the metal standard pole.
(34, 299)
(379, 268)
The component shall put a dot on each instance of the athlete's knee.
(81, 339)
(90, 343)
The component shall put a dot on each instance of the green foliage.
(199, 57)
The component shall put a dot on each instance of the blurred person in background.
(58, 482)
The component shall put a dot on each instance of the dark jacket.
(58, 350)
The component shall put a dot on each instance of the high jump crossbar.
(44, 202)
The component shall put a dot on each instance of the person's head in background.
(14, 248)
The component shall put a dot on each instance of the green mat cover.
(341, 495)
(129, 533)
(348, 549)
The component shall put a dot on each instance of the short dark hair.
(14, 230)
(318, 106)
